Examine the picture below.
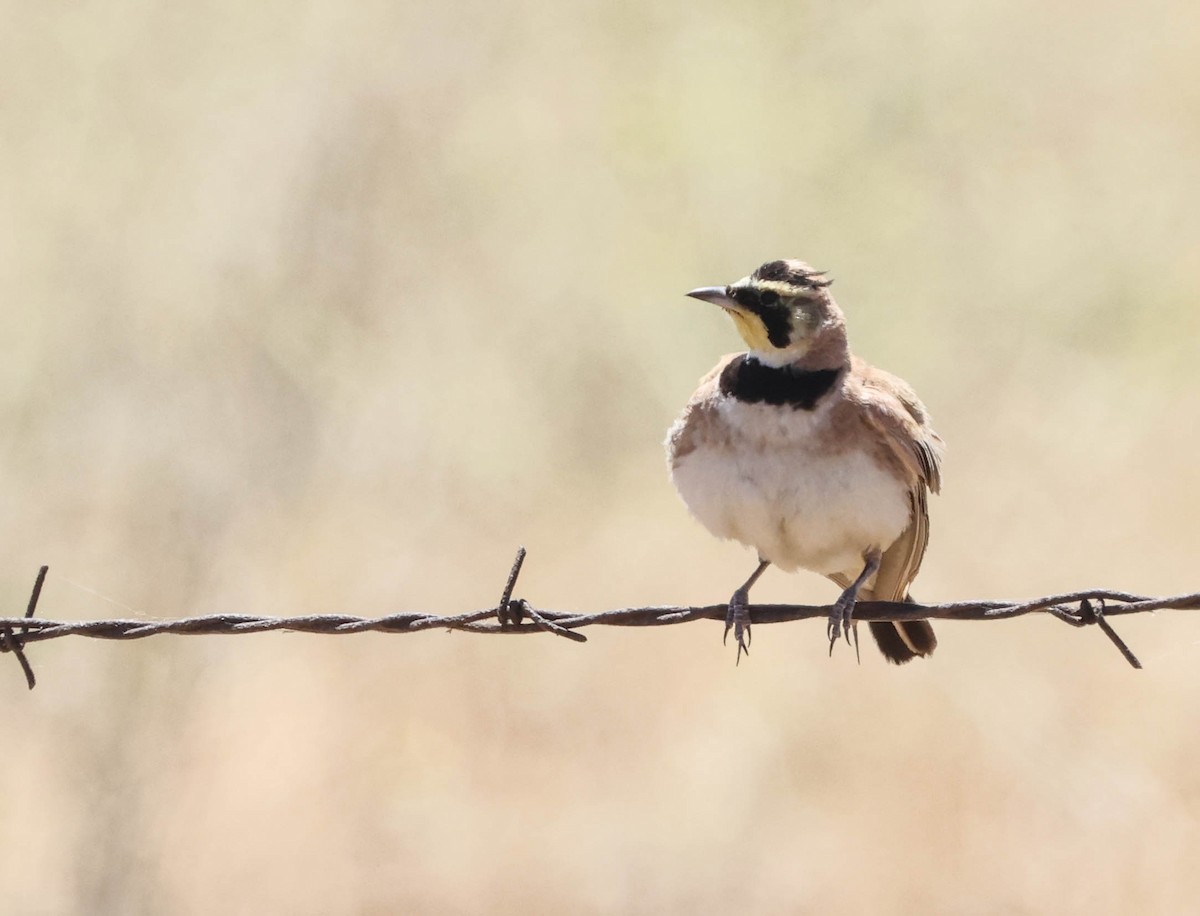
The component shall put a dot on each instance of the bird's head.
(783, 310)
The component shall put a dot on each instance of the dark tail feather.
(893, 647)
(898, 649)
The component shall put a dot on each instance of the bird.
(809, 455)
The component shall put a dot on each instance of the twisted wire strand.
(516, 616)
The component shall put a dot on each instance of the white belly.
(797, 506)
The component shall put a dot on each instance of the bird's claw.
(841, 622)
(737, 618)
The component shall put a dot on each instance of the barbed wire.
(514, 616)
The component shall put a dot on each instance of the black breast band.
(746, 379)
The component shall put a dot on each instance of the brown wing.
(892, 409)
(902, 561)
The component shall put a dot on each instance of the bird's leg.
(842, 614)
(738, 615)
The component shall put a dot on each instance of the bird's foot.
(737, 618)
(841, 620)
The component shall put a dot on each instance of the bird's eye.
(768, 297)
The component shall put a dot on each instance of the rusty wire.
(518, 616)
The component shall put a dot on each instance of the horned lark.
(809, 455)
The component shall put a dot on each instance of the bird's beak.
(714, 294)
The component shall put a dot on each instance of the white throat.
(776, 359)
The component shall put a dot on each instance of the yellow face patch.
(752, 330)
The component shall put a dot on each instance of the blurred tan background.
(328, 307)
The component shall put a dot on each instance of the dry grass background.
(327, 307)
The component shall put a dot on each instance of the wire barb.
(1094, 613)
(15, 643)
(504, 613)
(516, 615)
